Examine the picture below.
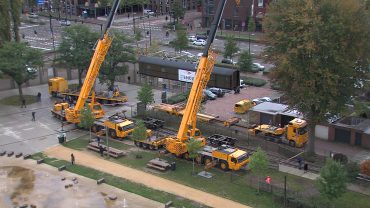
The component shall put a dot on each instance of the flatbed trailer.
(100, 97)
(152, 143)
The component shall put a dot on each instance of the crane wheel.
(224, 166)
(113, 134)
(138, 144)
(207, 160)
(145, 146)
(152, 147)
(186, 156)
(292, 143)
(94, 128)
(199, 159)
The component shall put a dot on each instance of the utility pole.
(53, 38)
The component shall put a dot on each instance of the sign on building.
(40, 2)
(186, 76)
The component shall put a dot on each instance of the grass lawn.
(120, 183)
(239, 189)
(15, 100)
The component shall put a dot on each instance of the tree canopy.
(320, 48)
(193, 146)
(181, 41)
(10, 21)
(20, 62)
(258, 163)
(332, 180)
(139, 132)
(76, 49)
(231, 47)
(87, 118)
(178, 10)
(114, 64)
(145, 94)
(245, 62)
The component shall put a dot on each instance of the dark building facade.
(234, 17)
(164, 6)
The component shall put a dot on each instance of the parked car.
(65, 23)
(201, 37)
(33, 15)
(262, 100)
(192, 38)
(228, 61)
(199, 42)
(186, 53)
(258, 66)
(210, 95)
(217, 91)
(242, 84)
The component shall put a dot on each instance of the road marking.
(46, 49)
(27, 129)
(27, 26)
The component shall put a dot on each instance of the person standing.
(39, 96)
(72, 159)
(23, 103)
(33, 116)
(101, 150)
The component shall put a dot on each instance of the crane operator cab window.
(197, 133)
(234, 160)
(97, 107)
(302, 130)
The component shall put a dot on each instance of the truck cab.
(296, 132)
(226, 157)
(243, 106)
(119, 127)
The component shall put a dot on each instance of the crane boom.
(204, 69)
(101, 51)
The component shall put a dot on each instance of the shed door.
(266, 118)
(342, 135)
(358, 139)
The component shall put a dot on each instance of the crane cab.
(57, 85)
(296, 131)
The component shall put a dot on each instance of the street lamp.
(52, 36)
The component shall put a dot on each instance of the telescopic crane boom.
(176, 145)
(101, 50)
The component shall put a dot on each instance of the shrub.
(353, 170)
(275, 87)
(365, 167)
(254, 81)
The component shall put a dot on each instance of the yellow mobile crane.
(231, 159)
(71, 114)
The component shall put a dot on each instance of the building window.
(236, 11)
(260, 3)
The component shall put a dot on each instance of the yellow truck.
(243, 106)
(118, 126)
(295, 133)
(225, 157)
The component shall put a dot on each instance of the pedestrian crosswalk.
(45, 44)
(145, 27)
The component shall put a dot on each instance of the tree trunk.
(69, 74)
(258, 185)
(193, 168)
(80, 77)
(311, 139)
(20, 91)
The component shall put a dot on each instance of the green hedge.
(178, 98)
(254, 81)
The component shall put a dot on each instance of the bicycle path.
(137, 176)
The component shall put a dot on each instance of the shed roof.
(276, 108)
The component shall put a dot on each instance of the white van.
(148, 11)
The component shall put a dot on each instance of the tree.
(139, 133)
(193, 146)
(251, 25)
(245, 61)
(20, 63)
(258, 164)
(145, 95)
(10, 12)
(231, 47)
(332, 180)
(87, 119)
(365, 167)
(76, 49)
(319, 48)
(178, 10)
(181, 41)
(114, 64)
